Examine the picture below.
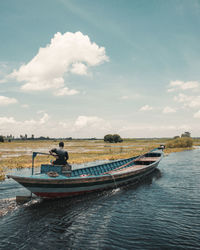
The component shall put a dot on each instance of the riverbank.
(17, 154)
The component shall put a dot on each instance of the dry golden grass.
(17, 154)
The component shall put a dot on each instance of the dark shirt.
(62, 156)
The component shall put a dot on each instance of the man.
(60, 154)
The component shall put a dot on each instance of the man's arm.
(66, 156)
(53, 152)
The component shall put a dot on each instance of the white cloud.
(86, 126)
(130, 97)
(31, 122)
(25, 106)
(93, 126)
(125, 97)
(82, 126)
(7, 120)
(146, 108)
(86, 123)
(188, 101)
(197, 114)
(180, 85)
(3, 71)
(168, 110)
(66, 53)
(44, 118)
(79, 69)
(3, 80)
(66, 125)
(30, 126)
(90, 122)
(4, 101)
(65, 91)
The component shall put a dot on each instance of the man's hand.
(54, 155)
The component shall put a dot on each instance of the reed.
(17, 154)
(184, 142)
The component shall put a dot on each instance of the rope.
(52, 174)
(113, 180)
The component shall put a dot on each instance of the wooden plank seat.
(128, 169)
(148, 159)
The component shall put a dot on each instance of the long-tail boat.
(53, 182)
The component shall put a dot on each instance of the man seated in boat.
(61, 156)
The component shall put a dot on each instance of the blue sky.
(85, 68)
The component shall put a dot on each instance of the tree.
(108, 138)
(117, 138)
(113, 138)
(186, 134)
(1, 138)
(177, 136)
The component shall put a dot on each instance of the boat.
(53, 182)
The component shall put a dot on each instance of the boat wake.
(116, 190)
(10, 205)
(7, 205)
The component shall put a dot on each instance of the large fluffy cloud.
(66, 53)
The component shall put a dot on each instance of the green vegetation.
(113, 138)
(183, 142)
(186, 134)
(1, 138)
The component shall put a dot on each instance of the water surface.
(162, 212)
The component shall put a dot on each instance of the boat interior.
(107, 168)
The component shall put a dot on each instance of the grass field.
(17, 154)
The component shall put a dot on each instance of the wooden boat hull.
(61, 186)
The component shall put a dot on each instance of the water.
(162, 212)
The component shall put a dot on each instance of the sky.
(87, 68)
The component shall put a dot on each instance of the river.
(162, 212)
